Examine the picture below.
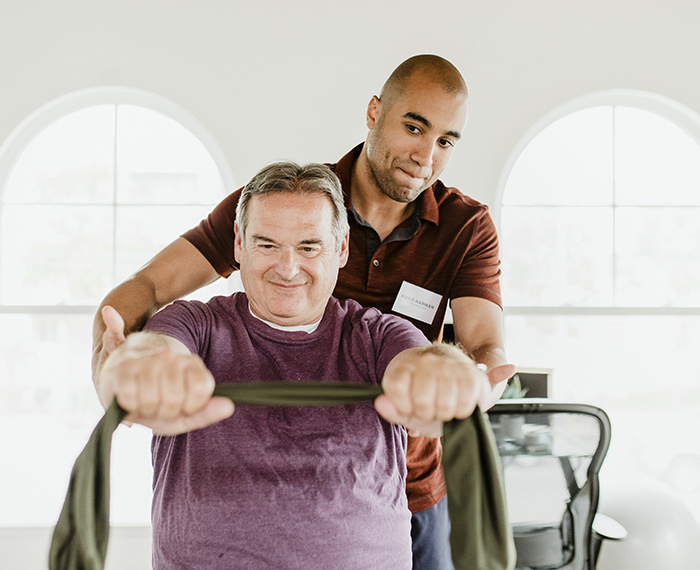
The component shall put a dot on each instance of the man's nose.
(287, 265)
(423, 153)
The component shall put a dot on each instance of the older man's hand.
(161, 385)
(427, 386)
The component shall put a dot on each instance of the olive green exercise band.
(481, 536)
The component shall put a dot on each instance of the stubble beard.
(390, 188)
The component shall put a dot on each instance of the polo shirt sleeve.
(479, 272)
(213, 237)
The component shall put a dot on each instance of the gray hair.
(289, 177)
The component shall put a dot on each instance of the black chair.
(551, 455)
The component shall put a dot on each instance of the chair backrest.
(551, 455)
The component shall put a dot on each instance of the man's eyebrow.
(260, 237)
(421, 119)
(309, 241)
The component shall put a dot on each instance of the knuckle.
(171, 404)
(445, 410)
(423, 406)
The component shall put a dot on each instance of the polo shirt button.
(375, 263)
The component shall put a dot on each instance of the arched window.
(91, 187)
(600, 228)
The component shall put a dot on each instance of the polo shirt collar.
(427, 204)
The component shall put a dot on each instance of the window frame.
(11, 150)
(665, 107)
(25, 132)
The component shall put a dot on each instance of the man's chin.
(287, 316)
(404, 195)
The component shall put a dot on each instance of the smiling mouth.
(287, 286)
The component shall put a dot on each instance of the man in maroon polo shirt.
(415, 244)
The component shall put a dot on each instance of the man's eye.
(446, 143)
(413, 129)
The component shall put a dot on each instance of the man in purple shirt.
(276, 487)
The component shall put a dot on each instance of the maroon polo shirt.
(449, 247)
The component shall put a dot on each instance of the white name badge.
(417, 303)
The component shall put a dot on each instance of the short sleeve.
(186, 321)
(214, 235)
(479, 273)
(392, 335)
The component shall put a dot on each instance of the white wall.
(277, 79)
(280, 79)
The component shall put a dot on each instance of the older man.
(415, 246)
(275, 488)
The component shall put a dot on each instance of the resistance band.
(481, 536)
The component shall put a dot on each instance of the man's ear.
(373, 111)
(237, 243)
(344, 250)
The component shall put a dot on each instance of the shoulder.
(448, 197)
(374, 324)
(186, 312)
(457, 212)
(195, 323)
(350, 313)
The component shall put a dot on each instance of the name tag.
(417, 303)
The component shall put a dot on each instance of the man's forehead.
(291, 200)
(435, 108)
(309, 216)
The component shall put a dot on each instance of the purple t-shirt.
(284, 487)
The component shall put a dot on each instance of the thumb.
(114, 335)
(501, 373)
(386, 409)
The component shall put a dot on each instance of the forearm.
(135, 300)
(493, 357)
(176, 271)
(478, 326)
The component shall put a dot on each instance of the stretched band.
(481, 536)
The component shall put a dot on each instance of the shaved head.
(431, 68)
(414, 126)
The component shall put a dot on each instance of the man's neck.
(380, 211)
(289, 328)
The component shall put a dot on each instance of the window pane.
(59, 246)
(71, 161)
(55, 255)
(658, 257)
(161, 162)
(568, 163)
(142, 231)
(640, 370)
(557, 256)
(49, 405)
(656, 161)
